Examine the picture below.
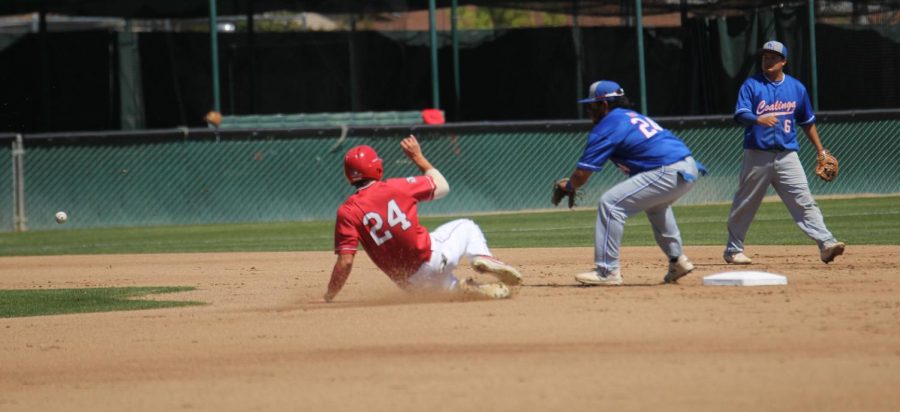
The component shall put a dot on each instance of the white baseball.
(62, 217)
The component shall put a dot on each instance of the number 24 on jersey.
(395, 217)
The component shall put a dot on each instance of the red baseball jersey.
(384, 216)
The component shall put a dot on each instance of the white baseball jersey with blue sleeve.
(787, 100)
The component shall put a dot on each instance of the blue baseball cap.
(774, 46)
(603, 90)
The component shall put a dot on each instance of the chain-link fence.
(203, 176)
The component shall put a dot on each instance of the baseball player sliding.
(660, 167)
(382, 214)
(772, 105)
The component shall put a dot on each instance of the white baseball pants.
(450, 242)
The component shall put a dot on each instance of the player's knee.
(609, 202)
(609, 207)
(806, 202)
(468, 222)
(468, 225)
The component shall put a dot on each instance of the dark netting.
(72, 85)
(694, 65)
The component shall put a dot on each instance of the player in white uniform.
(772, 105)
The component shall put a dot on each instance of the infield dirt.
(828, 341)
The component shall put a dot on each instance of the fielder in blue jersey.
(772, 105)
(660, 167)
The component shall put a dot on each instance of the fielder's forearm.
(813, 135)
(579, 178)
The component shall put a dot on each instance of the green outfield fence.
(200, 176)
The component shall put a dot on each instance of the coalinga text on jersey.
(777, 107)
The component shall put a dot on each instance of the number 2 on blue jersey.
(647, 126)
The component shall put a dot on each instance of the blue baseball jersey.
(634, 142)
(786, 99)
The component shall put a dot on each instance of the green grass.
(874, 220)
(42, 302)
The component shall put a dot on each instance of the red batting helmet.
(362, 163)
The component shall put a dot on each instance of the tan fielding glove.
(827, 166)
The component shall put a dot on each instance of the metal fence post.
(432, 31)
(642, 68)
(18, 158)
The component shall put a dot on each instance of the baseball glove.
(827, 166)
(559, 193)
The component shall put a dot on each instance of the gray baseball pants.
(781, 169)
(653, 192)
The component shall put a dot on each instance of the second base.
(744, 278)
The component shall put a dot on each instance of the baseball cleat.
(677, 269)
(505, 273)
(491, 290)
(831, 251)
(737, 258)
(593, 277)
